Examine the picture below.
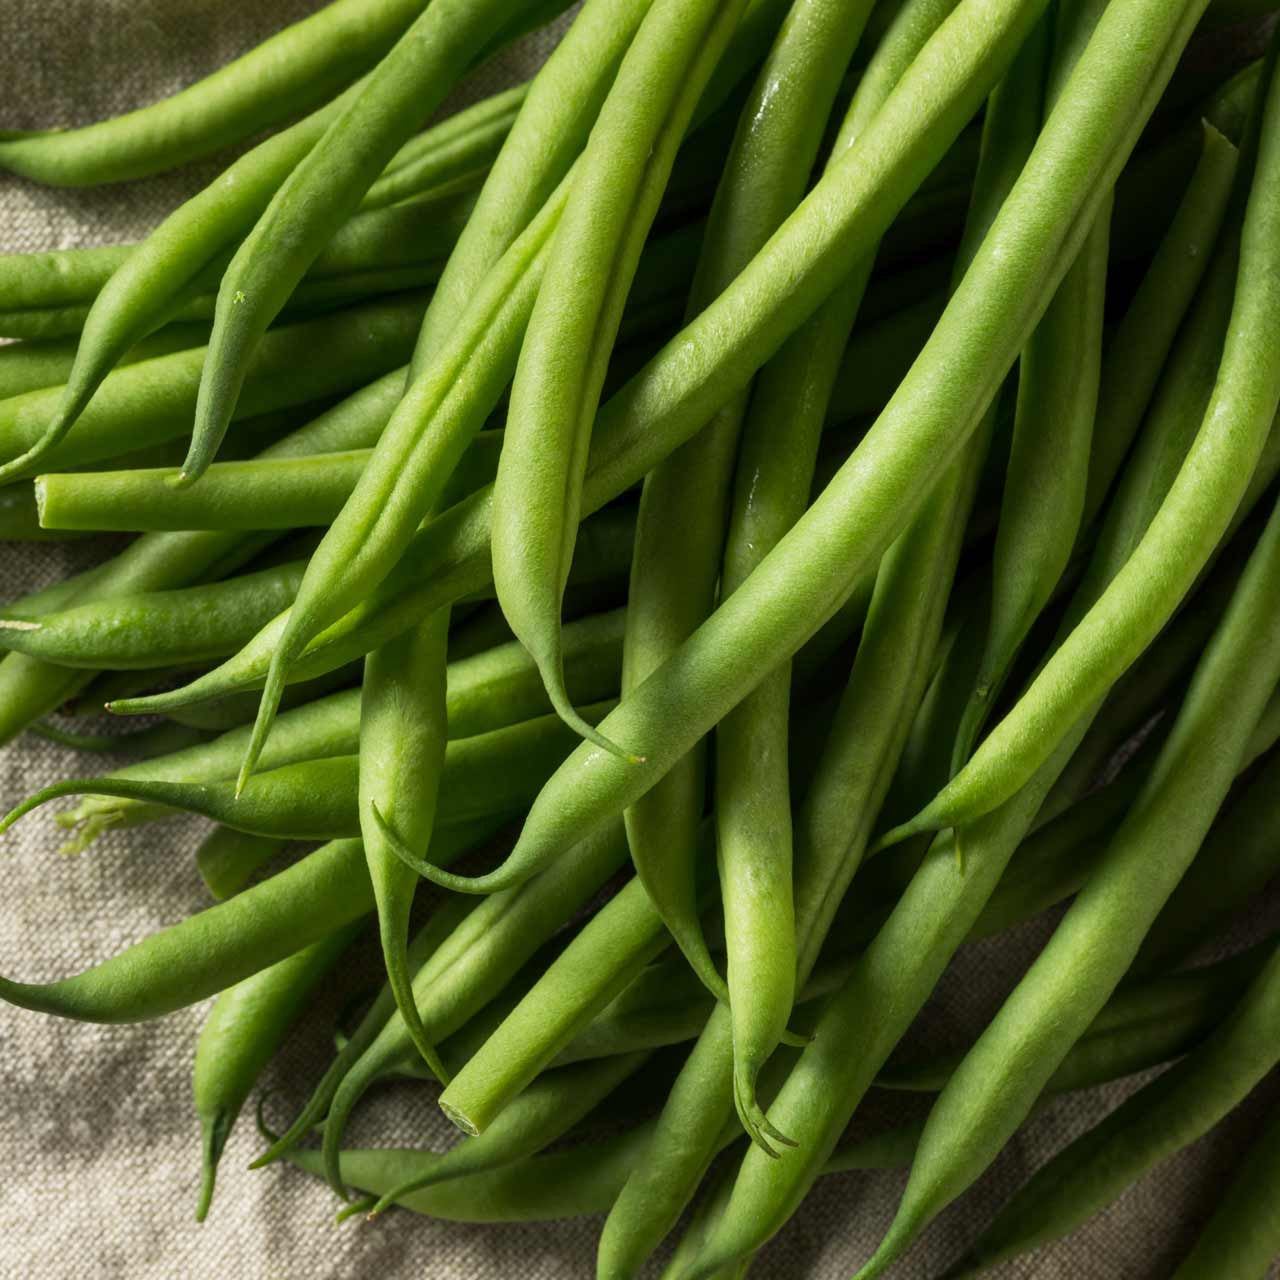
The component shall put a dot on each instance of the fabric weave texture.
(97, 1135)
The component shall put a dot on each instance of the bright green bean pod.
(228, 859)
(680, 535)
(240, 1035)
(324, 189)
(1192, 520)
(216, 948)
(617, 187)
(186, 626)
(1096, 942)
(491, 774)
(1137, 352)
(146, 403)
(293, 71)
(1148, 1127)
(1243, 1236)
(257, 493)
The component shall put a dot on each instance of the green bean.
(156, 629)
(616, 192)
(545, 1111)
(1044, 491)
(458, 147)
(1147, 1128)
(680, 539)
(242, 1032)
(146, 403)
(1243, 1236)
(216, 948)
(1237, 860)
(257, 493)
(486, 775)
(1163, 566)
(228, 859)
(325, 188)
(1100, 934)
(565, 1184)
(295, 70)
(1138, 350)
(469, 968)
(1145, 1022)
(403, 735)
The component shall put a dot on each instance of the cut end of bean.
(458, 1119)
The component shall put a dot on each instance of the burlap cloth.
(97, 1137)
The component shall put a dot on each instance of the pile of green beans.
(787, 492)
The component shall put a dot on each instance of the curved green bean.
(592, 261)
(490, 774)
(293, 71)
(216, 948)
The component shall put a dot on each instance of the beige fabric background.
(97, 1140)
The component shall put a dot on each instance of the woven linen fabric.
(98, 1140)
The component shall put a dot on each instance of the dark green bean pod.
(1147, 1128)
(240, 1035)
(228, 859)
(566, 1184)
(1242, 1238)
